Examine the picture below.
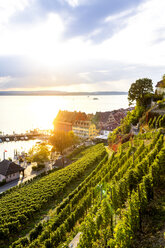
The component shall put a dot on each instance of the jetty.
(23, 136)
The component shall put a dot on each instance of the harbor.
(10, 144)
(30, 135)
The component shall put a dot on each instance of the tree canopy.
(62, 140)
(140, 89)
(39, 153)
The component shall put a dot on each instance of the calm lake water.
(20, 146)
(21, 113)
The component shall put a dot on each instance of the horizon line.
(49, 92)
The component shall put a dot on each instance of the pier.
(22, 137)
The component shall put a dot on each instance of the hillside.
(109, 206)
(129, 189)
(21, 206)
(113, 199)
(59, 93)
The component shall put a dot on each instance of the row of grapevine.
(157, 122)
(132, 177)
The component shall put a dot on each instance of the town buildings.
(109, 120)
(64, 121)
(78, 122)
(10, 171)
(160, 87)
(103, 135)
(85, 129)
(89, 125)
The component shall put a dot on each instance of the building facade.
(93, 132)
(81, 128)
(64, 121)
(63, 126)
(78, 122)
(10, 171)
(160, 88)
(85, 129)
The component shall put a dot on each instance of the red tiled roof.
(71, 117)
(65, 116)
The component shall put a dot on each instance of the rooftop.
(71, 117)
(8, 167)
(160, 84)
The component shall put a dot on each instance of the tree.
(39, 153)
(138, 91)
(62, 140)
(73, 139)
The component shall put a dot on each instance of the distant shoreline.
(58, 93)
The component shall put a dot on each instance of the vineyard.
(116, 219)
(18, 207)
(108, 206)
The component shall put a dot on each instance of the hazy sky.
(80, 45)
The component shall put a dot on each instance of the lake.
(22, 113)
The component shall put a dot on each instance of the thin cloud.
(76, 42)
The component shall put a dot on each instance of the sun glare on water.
(43, 114)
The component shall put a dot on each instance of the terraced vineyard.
(115, 221)
(107, 207)
(113, 196)
(19, 206)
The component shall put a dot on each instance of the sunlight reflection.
(31, 112)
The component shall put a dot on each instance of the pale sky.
(80, 45)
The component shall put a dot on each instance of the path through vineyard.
(75, 241)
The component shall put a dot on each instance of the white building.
(103, 134)
(160, 87)
(10, 171)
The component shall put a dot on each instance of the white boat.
(7, 139)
